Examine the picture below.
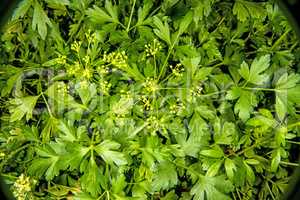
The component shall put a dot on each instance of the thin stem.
(213, 93)
(289, 163)
(292, 142)
(131, 14)
(167, 58)
(101, 195)
(293, 125)
(238, 193)
(155, 67)
(233, 195)
(270, 191)
(280, 39)
(12, 154)
(261, 89)
(47, 105)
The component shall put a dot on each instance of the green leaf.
(106, 150)
(226, 134)
(185, 22)
(276, 158)
(144, 12)
(60, 98)
(22, 106)
(213, 153)
(211, 188)
(22, 9)
(214, 168)
(11, 82)
(123, 106)
(198, 136)
(250, 174)
(68, 132)
(40, 20)
(86, 93)
(252, 161)
(245, 103)
(99, 16)
(48, 163)
(162, 31)
(284, 89)
(230, 167)
(202, 9)
(253, 75)
(165, 176)
(75, 155)
(246, 9)
(49, 128)
(91, 179)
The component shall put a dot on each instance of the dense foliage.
(145, 99)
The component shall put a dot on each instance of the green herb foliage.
(144, 99)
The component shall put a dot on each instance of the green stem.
(130, 18)
(292, 142)
(270, 191)
(280, 39)
(293, 125)
(168, 55)
(238, 193)
(12, 154)
(289, 163)
(47, 105)
(261, 89)
(155, 67)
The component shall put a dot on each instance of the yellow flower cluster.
(150, 85)
(87, 73)
(153, 49)
(21, 187)
(118, 59)
(176, 108)
(126, 94)
(84, 84)
(86, 59)
(146, 102)
(62, 89)
(91, 37)
(197, 91)
(62, 59)
(102, 70)
(76, 46)
(104, 87)
(152, 123)
(177, 69)
(72, 70)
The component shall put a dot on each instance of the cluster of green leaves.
(144, 99)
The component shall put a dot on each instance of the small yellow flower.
(153, 123)
(177, 107)
(22, 187)
(72, 70)
(146, 102)
(87, 73)
(86, 59)
(62, 59)
(177, 70)
(76, 46)
(153, 49)
(197, 91)
(150, 85)
(118, 59)
(104, 87)
(84, 84)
